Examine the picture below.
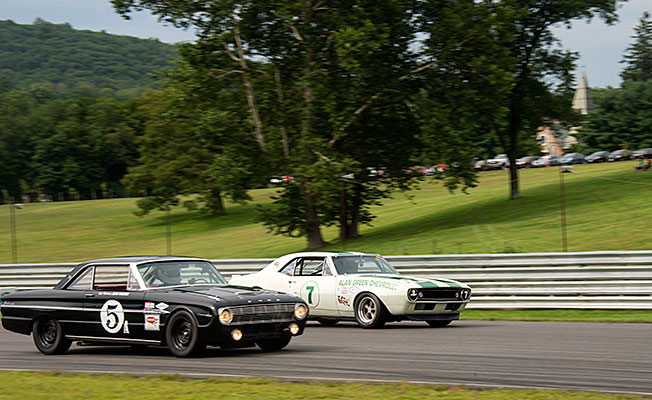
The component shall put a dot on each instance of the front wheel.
(370, 312)
(274, 344)
(48, 337)
(438, 323)
(182, 335)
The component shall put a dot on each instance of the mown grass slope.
(608, 207)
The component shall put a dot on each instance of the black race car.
(180, 302)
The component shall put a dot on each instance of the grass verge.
(59, 386)
(607, 208)
(559, 315)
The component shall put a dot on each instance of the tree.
(622, 118)
(541, 79)
(309, 72)
(638, 55)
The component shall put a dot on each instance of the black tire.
(439, 323)
(48, 336)
(182, 335)
(276, 343)
(327, 322)
(369, 311)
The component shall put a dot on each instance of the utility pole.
(168, 232)
(562, 206)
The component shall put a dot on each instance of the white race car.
(361, 287)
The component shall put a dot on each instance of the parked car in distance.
(498, 162)
(643, 153)
(278, 179)
(361, 287)
(598, 157)
(546, 161)
(418, 169)
(526, 162)
(480, 165)
(572, 158)
(181, 302)
(620, 155)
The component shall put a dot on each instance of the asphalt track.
(572, 356)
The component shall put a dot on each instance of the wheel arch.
(382, 302)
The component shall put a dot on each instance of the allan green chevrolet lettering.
(361, 287)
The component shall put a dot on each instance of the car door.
(68, 305)
(313, 281)
(114, 305)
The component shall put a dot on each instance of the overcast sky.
(601, 46)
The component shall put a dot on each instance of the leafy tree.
(541, 74)
(638, 56)
(622, 118)
(322, 69)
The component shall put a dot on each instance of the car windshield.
(362, 265)
(175, 273)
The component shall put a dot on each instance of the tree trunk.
(344, 231)
(315, 239)
(215, 203)
(354, 224)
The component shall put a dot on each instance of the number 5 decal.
(112, 316)
(310, 293)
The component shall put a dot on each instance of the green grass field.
(57, 386)
(609, 207)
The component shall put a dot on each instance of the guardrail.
(583, 280)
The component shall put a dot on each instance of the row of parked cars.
(502, 161)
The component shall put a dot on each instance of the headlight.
(300, 311)
(226, 316)
(413, 294)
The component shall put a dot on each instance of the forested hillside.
(79, 63)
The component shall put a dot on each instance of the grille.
(440, 294)
(262, 313)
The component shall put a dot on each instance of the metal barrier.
(583, 280)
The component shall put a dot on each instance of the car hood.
(393, 281)
(232, 293)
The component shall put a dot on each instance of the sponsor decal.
(367, 282)
(162, 306)
(342, 300)
(152, 322)
(125, 328)
(149, 305)
(354, 289)
(343, 289)
(112, 316)
(123, 294)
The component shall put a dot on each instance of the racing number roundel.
(310, 293)
(112, 316)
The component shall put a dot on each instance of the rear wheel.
(370, 312)
(48, 336)
(276, 343)
(439, 324)
(182, 335)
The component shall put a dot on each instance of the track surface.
(573, 356)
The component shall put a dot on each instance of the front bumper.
(218, 334)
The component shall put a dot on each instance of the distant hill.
(79, 63)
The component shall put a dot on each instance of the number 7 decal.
(310, 290)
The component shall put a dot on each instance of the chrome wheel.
(369, 311)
